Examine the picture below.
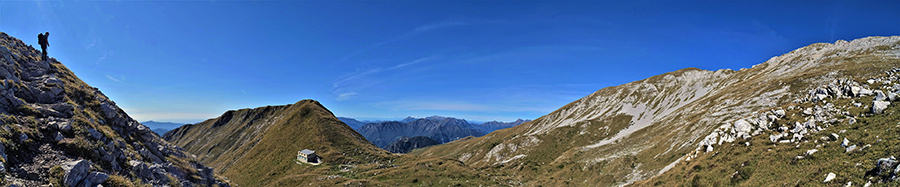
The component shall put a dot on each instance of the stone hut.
(308, 156)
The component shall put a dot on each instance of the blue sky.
(186, 61)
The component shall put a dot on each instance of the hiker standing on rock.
(42, 39)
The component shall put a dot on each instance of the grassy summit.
(258, 147)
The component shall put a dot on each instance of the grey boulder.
(879, 106)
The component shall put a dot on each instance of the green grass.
(57, 176)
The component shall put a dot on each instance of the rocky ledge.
(56, 130)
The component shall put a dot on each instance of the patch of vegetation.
(28, 110)
(57, 175)
(79, 146)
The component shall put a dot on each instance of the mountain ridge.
(622, 134)
(441, 129)
(57, 130)
(258, 147)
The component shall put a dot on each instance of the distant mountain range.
(439, 128)
(161, 127)
(406, 144)
(353, 123)
(492, 126)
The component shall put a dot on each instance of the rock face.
(52, 118)
(406, 144)
(641, 129)
(76, 172)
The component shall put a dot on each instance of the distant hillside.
(160, 131)
(56, 130)
(753, 127)
(441, 129)
(258, 147)
(406, 144)
(492, 126)
(161, 127)
(353, 123)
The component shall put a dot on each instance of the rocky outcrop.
(887, 169)
(78, 173)
(634, 131)
(879, 106)
(823, 113)
(52, 118)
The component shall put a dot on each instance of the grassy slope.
(554, 162)
(766, 164)
(308, 125)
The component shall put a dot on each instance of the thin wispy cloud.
(91, 44)
(346, 86)
(105, 54)
(97, 63)
(353, 76)
(416, 61)
(345, 96)
(416, 31)
(112, 78)
(433, 26)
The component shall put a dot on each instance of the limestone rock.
(58, 136)
(850, 149)
(845, 143)
(879, 106)
(885, 165)
(94, 133)
(775, 137)
(797, 137)
(94, 179)
(811, 151)
(808, 111)
(865, 92)
(779, 113)
(829, 177)
(76, 171)
(880, 96)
